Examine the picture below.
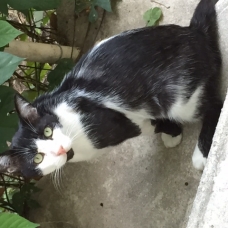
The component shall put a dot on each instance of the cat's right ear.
(6, 163)
(24, 109)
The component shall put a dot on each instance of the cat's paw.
(170, 141)
(198, 160)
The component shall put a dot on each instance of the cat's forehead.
(45, 120)
(29, 131)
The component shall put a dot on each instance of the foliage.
(8, 122)
(105, 4)
(41, 5)
(16, 194)
(91, 5)
(8, 64)
(55, 77)
(32, 75)
(7, 33)
(34, 78)
(152, 16)
(8, 220)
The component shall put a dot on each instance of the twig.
(74, 29)
(6, 208)
(102, 19)
(13, 177)
(33, 67)
(7, 197)
(11, 185)
(29, 79)
(167, 7)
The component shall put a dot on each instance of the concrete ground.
(141, 184)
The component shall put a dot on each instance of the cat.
(142, 80)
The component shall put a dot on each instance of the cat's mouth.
(70, 154)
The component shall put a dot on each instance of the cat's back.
(142, 58)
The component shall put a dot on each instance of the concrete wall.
(210, 208)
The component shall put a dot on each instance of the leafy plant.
(152, 16)
(32, 75)
(8, 220)
(17, 194)
(34, 78)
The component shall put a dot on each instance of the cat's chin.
(70, 154)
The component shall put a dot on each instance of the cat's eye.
(38, 158)
(47, 132)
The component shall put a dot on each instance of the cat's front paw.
(198, 160)
(170, 141)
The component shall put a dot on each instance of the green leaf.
(23, 37)
(25, 195)
(27, 189)
(8, 123)
(7, 33)
(151, 23)
(4, 7)
(46, 19)
(93, 15)
(105, 4)
(3, 18)
(55, 77)
(31, 68)
(8, 220)
(81, 5)
(38, 5)
(152, 16)
(44, 71)
(18, 202)
(30, 95)
(8, 64)
(38, 16)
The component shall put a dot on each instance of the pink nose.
(61, 151)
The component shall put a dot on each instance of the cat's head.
(39, 146)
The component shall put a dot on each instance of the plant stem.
(6, 208)
(7, 197)
(34, 67)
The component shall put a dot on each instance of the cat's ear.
(7, 164)
(24, 109)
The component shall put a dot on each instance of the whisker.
(77, 135)
(31, 126)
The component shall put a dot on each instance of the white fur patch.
(49, 148)
(91, 54)
(198, 160)
(4, 161)
(170, 141)
(140, 117)
(185, 111)
(72, 126)
(71, 135)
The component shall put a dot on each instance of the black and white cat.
(154, 77)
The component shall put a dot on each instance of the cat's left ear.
(7, 163)
(24, 109)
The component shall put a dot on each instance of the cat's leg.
(171, 132)
(206, 135)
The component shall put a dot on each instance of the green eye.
(38, 158)
(47, 132)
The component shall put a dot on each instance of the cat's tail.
(205, 20)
